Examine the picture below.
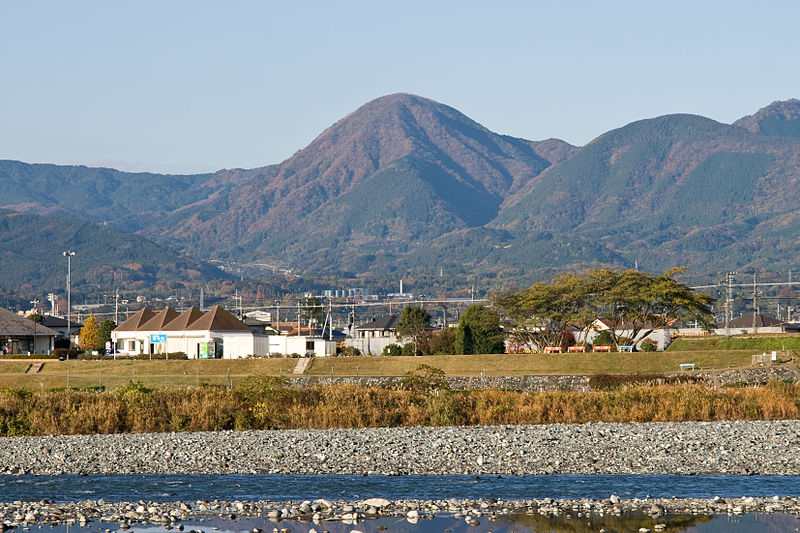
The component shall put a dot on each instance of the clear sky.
(196, 86)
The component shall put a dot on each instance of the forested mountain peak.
(780, 118)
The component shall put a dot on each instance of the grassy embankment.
(752, 343)
(265, 404)
(183, 373)
(144, 396)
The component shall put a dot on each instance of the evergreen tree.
(104, 332)
(479, 331)
(413, 324)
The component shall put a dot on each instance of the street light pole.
(69, 255)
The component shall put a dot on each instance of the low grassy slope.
(170, 374)
(160, 374)
(751, 343)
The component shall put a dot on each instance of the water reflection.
(571, 523)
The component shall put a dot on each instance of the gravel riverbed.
(750, 447)
(758, 447)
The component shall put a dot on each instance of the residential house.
(755, 323)
(19, 334)
(59, 325)
(371, 337)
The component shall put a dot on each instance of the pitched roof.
(183, 321)
(135, 322)
(162, 318)
(747, 321)
(384, 323)
(19, 326)
(218, 319)
(58, 322)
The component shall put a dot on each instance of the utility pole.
(116, 306)
(35, 302)
(237, 298)
(69, 254)
(755, 303)
(729, 302)
(51, 297)
(329, 319)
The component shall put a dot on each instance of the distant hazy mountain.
(674, 190)
(31, 257)
(407, 186)
(779, 119)
(398, 171)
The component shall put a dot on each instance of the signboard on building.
(158, 339)
(207, 350)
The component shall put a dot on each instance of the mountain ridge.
(405, 185)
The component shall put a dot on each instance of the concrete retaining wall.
(538, 383)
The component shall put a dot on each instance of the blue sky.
(197, 86)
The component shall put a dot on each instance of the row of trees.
(479, 331)
(93, 336)
(631, 302)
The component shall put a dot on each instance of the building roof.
(218, 319)
(58, 322)
(12, 324)
(317, 332)
(384, 323)
(162, 318)
(746, 321)
(135, 322)
(184, 320)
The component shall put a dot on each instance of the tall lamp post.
(69, 255)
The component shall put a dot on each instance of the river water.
(333, 487)
(297, 488)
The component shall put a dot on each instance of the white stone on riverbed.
(751, 447)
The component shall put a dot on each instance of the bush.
(31, 356)
(439, 343)
(349, 351)
(69, 353)
(610, 382)
(425, 378)
(392, 349)
(603, 339)
(408, 349)
(647, 345)
(88, 356)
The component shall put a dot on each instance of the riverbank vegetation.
(422, 399)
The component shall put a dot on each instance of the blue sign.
(158, 339)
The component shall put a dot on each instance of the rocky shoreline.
(756, 447)
(174, 515)
(736, 448)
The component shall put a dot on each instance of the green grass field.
(182, 373)
(756, 343)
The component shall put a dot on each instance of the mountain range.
(408, 187)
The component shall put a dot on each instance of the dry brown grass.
(265, 403)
